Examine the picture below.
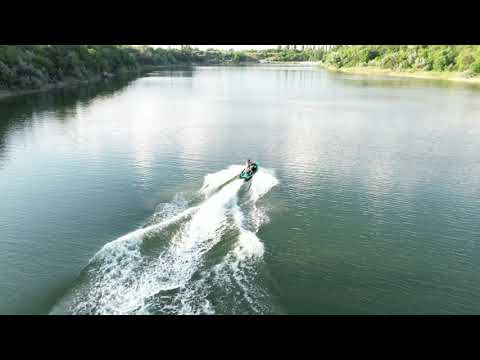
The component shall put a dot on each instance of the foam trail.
(239, 264)
(213, 181)
(163, 268)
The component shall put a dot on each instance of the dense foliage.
(33, 66)
(288, 54)
(463, 58)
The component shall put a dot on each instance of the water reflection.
(182, 72)
(361, 167)
(18, 113)
(383, 81)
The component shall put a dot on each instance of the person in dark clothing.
(248, 168)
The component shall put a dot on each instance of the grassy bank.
(443, 62)
(410, 73)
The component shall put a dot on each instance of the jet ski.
(247, 175)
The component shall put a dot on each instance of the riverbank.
(360, 70)
(5, 93)
(432, 75)
(271, 62)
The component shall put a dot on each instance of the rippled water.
(367, 201)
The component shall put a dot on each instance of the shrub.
(7, 75)
(465, 60)
(475, 67)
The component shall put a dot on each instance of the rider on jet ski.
(250, 167)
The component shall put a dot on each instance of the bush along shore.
(447, 62)
(29, 68)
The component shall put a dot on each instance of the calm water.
(367, 200)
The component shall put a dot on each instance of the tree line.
(441, 58)
(289, 53)
(33, 66)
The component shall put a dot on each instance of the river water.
(367, 200)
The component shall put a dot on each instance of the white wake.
(196, 259)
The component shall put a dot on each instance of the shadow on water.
(177, 71)
(19, 112)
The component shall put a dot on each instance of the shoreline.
(6, 93)
(429, 75)
(289, 62)
(10, 93)
(359, 70)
